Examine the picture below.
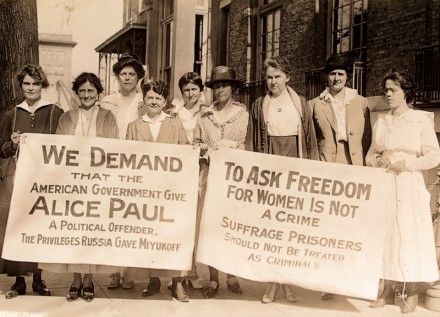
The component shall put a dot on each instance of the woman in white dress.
(404, 142)
(127, 106)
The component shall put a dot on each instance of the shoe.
(211, 290)
(288, 293)
(127, 284)
(170, 285)
(271, 292)
(380, 302)
(179, 293)
(409, 304)
(195, 282)
(18, 288)
(152, 288)
(387, 297)
(113, 280)
(233, 285)
(39, 286)
(326, 296)
(89, 293)
(74, 293)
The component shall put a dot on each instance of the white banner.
(317, 225)
(103, 201)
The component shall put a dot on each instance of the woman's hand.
(397, 167)
(383, 161)
(15, 138)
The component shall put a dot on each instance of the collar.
(40, 103)
(350, 94)
(162, 116)
(93, 108)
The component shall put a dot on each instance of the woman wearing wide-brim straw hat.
(222, 125)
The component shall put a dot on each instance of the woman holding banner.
(33, 115)
(189, 110)
(281, 124)
(405, 143)
(157, 126)
(222, 125)
(92, 121)
(126, 105)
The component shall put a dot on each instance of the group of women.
(334, 127)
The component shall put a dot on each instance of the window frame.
(267, 8)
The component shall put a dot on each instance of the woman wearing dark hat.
(222, 125)
(281, 124)
(126, 106)
(341, 118)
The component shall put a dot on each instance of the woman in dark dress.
(33, 115)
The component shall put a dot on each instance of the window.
(167, 40)
(198, 44)
(223, 47)
(269, 31)
(349, 25)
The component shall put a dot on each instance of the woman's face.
(276, 80)
(191, 93)
(88, 95)
(31, 89)
(154, 103)
(128, 79)
(337, 79)
(394, 94)
(222, 91)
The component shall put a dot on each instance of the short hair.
(339, 62)
(129, 60)
(191, 78)
(405, 81)
(158, 86)
(278, 62)
(34, 71)
(87, 77)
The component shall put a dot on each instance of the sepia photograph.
(264, 158)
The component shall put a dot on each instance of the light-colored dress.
(409, 253)
(123, 112)
(93, 122)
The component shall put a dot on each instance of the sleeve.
(131, 133)
(249, 143)
(112, 126)
(182, 138)
(373, 152)
(430, 151)
(309, 130)
(366, 137)
(61, 126)
(6, 149)
(57, 113)
(200, 139)
(241, 144)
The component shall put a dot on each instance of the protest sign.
(103, 201)
(313, 224)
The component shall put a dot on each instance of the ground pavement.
(117, 303)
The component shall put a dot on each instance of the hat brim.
(236, 83)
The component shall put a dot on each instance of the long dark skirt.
(284, 145)
(12, 268)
